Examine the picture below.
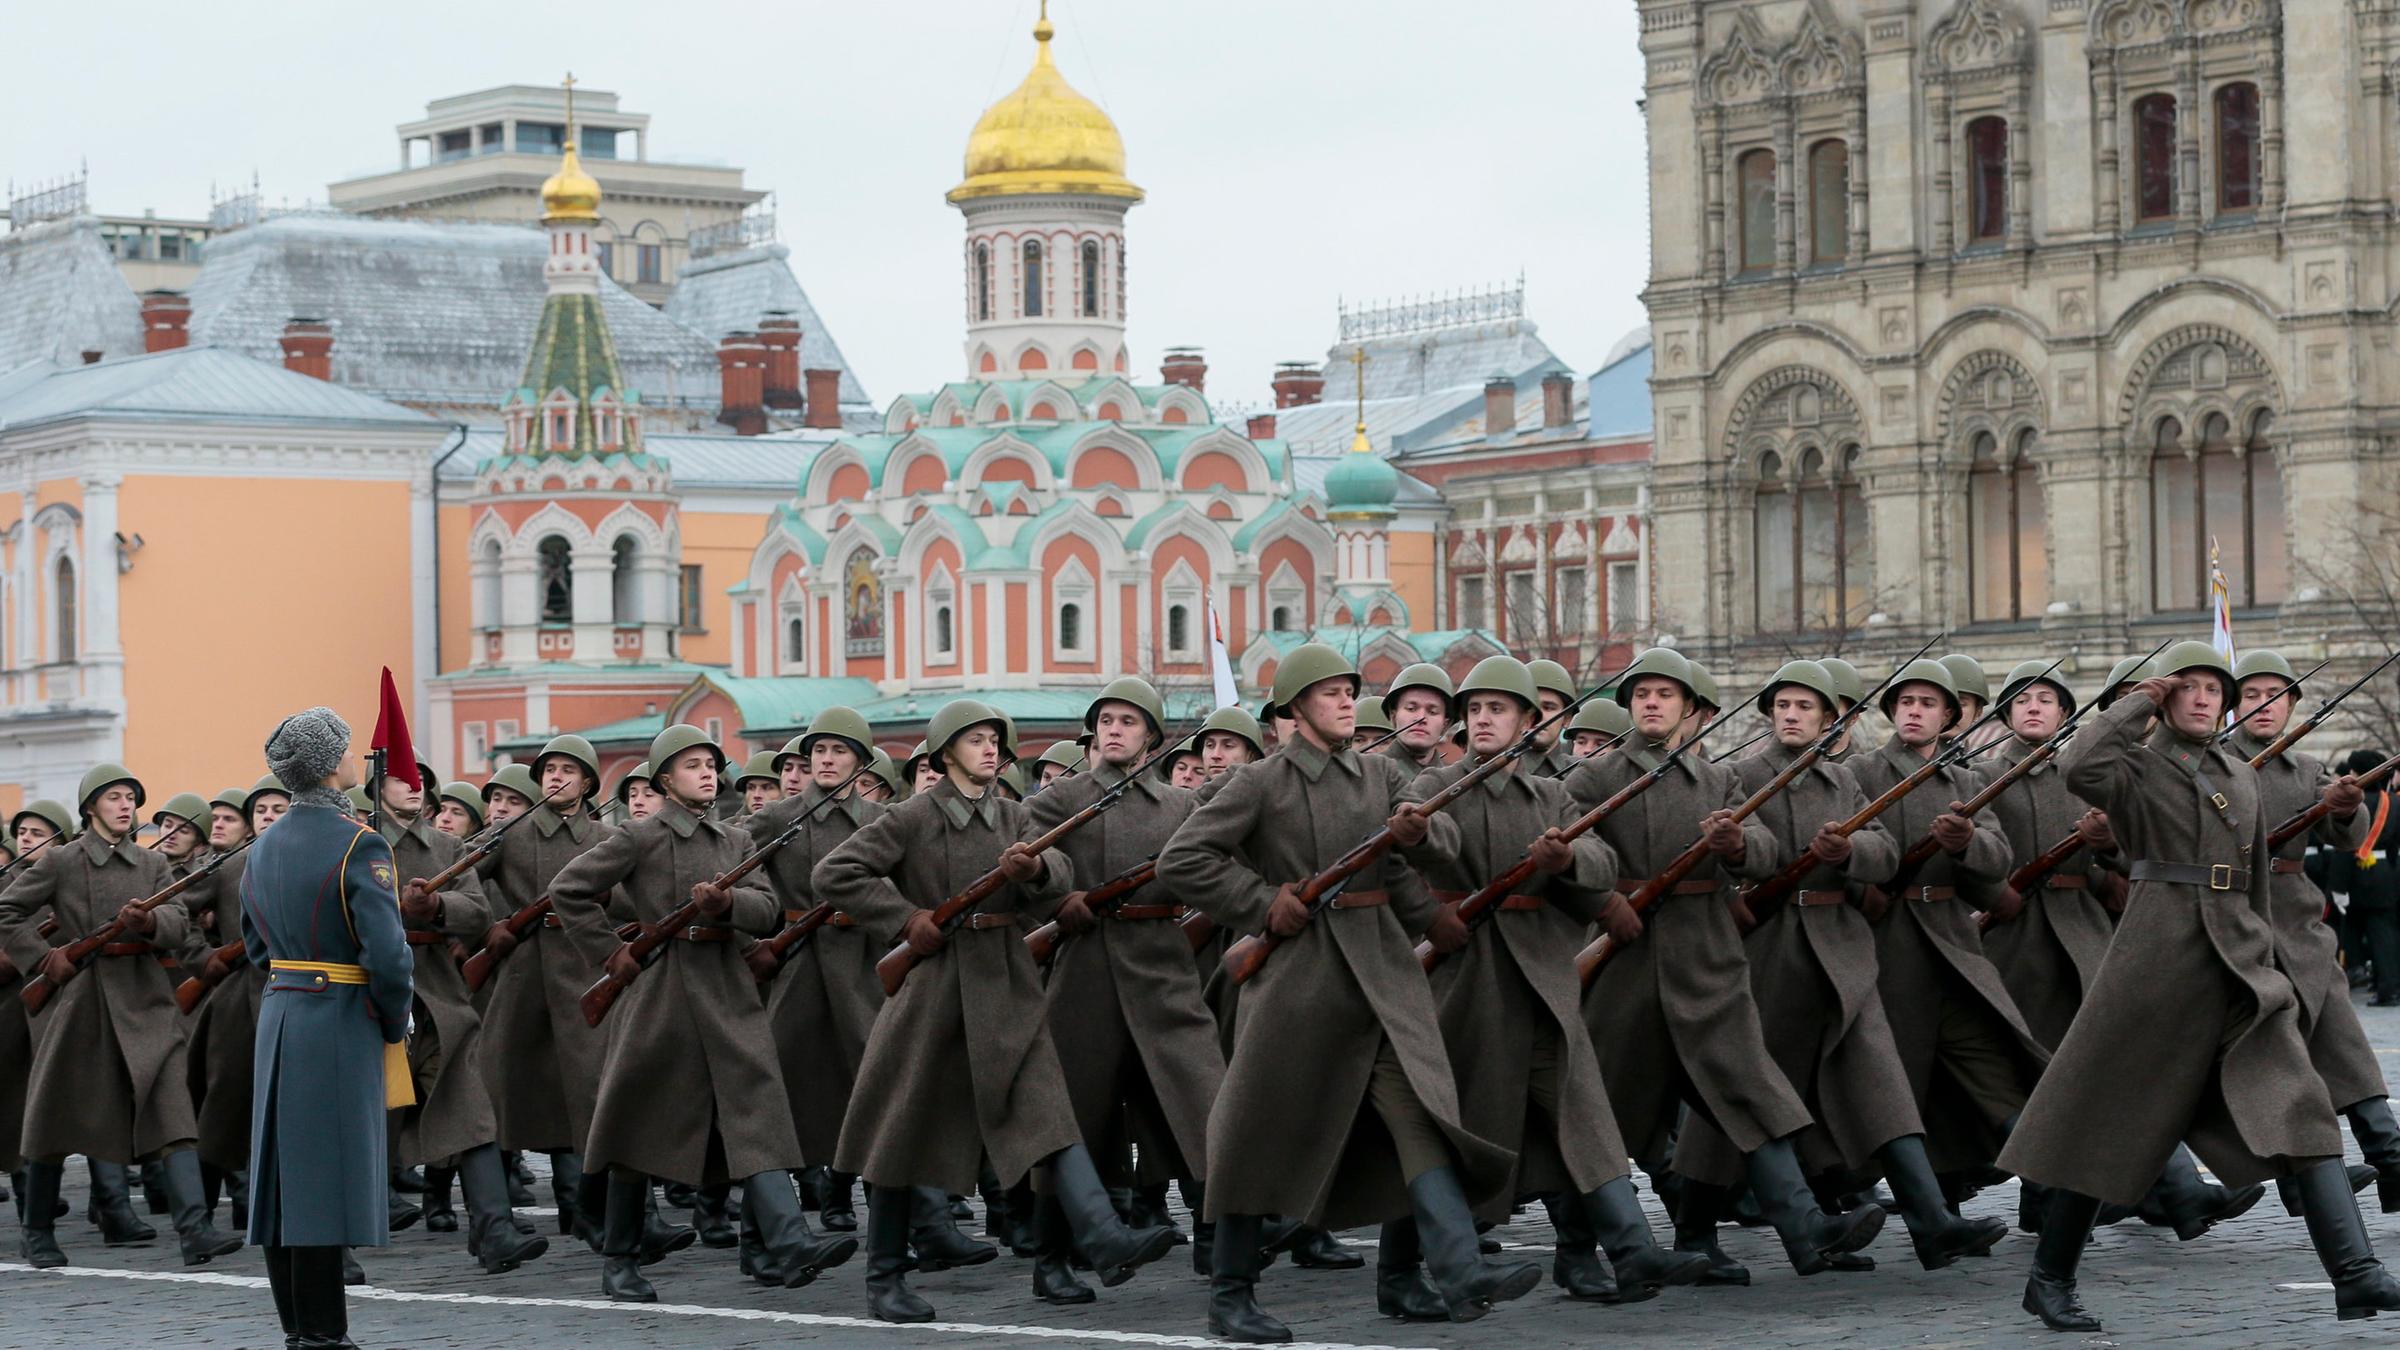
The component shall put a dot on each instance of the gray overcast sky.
(1293, 152)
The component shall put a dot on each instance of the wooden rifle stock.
(1198, 928)
(189, 993)
(2301, 822)
(647, 938)
(478, 968)
(1042, 943)
(1922, 851)
(766, 959)
(81, 953)
(479, 848)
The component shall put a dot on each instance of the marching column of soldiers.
(1409, 964)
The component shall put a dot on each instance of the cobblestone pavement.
(2251, 1282)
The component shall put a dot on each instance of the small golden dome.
(1044, 137)
(570, 194)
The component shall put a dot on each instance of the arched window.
(1756, 174)
(942, 639)
(64, 615)
(1070, 627)
(488, 609)
(983, 282)
(624, 585)
(795, 641)
(1280, 621)
(2216, 492)
(1179, 628)
(2007, 569)
(1828, 202)
(2237, 148)
(1809, 532)
(557, 580)
(2154, 158)
(1987, 179)
(1091, 278)
(1033, 278)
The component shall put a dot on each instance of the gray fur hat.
(308, 746)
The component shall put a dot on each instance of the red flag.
(391, 736)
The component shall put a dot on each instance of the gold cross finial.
(1358, 367)
(569, 85)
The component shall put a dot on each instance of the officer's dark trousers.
(2382, 928)
(309, 1300)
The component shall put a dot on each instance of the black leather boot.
(2378, 1137)
(621, 1245)
(2031, 1201)
(658, 1236)
(2182, 1201)
(111, 1207)
(794, 1254)
(38, 1242)
(591, 1207)
(1114, 1250)
(1315, 1249)
(154, 1188)
(1696, 1210)
(237, 1200)
(1575, 1266)
(320, 1310)
(499, 1245)
(1401, 1289)
(519, 1177)
(2050, 1290)
(888, 1294)
(439, 1216)
(398, 1212)
(409, 1179)
(2361, 1286)
(1470, 1285)
(1939, 1236)
(1642, 1267)
(1204, 1231)
(936, 1237)
(1024, 1226)
(710, 1218)
(352, 1272)
(834, 1211)
(1233, 1311)
(1054, 1269)
(566, 1191)
(1809, 1234)
(202, 1241)
(2287, 1189)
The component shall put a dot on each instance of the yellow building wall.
(458, 647)
(720, 543)
(251, 599)
(1412, 575)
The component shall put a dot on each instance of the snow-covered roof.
(1415, 364)
(61, 295)
(190, 384)
(730, 292)
(769, 464)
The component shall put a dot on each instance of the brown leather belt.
(989, 921)
(838, 919)
(1807, 898)
(550, 919)
(2214, 876)
(1930, 893)
(1687, 886)
(1519, 901)
(2287, 867)
(126, 949)
(2060, 881)
(702, 932)
(1361, 899)
(419, 937)
(1169, 911)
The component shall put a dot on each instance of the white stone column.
(595, 602)
(29, 590)
(103, 647)
(520, 607)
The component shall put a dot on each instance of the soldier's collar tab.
(677, 817)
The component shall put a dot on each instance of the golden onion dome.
(570, 194)
(1044, 137)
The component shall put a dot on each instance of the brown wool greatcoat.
(445, 1052)
(2306, 949)
(1813, 972)
(1930, 964)
(224, 1029)
(1126, 1010)
(108, 1076)
(2190, 1031)
(968, 1016)
(1672, 1015)
(1223, 995)
(685, 1051)
(1556, 762)
(16, 1063)
(541, 1063)
(2049, 954)
(1517, 973)
(823, 1004)
(1292, 1133)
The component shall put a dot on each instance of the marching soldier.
(1973, 687)
(636, 797)
(1848, 688)
(42, 825)
(920, 770)
(1595, 727)
(757, 785)
(883, 784)
(1229, 739)
(1706, 700)
(1341, 1024)
(2122, 678)
(2189, 1026)
(1418, 703)
(269, 799)
(1673, 1017)
(1183, 768)
(460, 811)
(1057, 762)
(1551, 757)
(975, 1015)
(217, 1059)
(1512, 1018)
(108, 1077)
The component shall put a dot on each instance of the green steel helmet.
(882, 767)
(1011, 780)
(1665, 662)
(2130, 671)
(273, 784)
(1266, 711)
(1808, 675)
(790, 750)
(759, 768)
(674, 741)
(2267, 661)
(1422, 675)
(519, 780)
(1849, 686)
(1499, 675)
(50, 813)
(2191, 654)
(2026, 674)
(908, 766)
(1967, 679)
(358, 801)
(1065, 754)
(468, 799)
(1134, 690)
(1008, 735)
(1923, 670)
(233, 799)
(1609, 719)
(1550, 675)
(842, 724)
(956, 716)
(640, 773)
(1187, 748)
(99, 778)
(188, 807)
(1371, 717)
(1309, 663)
(1704, 688)
(575, 748)
(1233, 721)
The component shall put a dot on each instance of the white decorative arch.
(1195, 408)
(1078, 520)
(900, 417)
(1058, 396)
(924, 531)
(1310, 534)
(1188, 523)
(1008, 445)
(1257, 474)
(820, 473)
(1147, 474)
(791, 602)
(904, 457)
(946, 409)
(551, 519)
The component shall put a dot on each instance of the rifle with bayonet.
(1922, 851)
(767, 956)
(2292, 734)
(2307, 817)
(82, 952)
(1042, 943)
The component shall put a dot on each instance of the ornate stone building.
(1990, 315)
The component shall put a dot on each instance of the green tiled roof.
(626, 731)
(572, 350)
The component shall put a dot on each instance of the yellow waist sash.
(399, 1089)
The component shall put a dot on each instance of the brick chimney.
(1185, 366)
(166, 320)
(308, 347)
(781, 332)
(1262, 426)
(1558, 399)
(1499, 407)
(742, 372)
(823, 406)
(1298, 384)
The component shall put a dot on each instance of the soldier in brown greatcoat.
(1552, 756)
(2190, 1029)
(975, 1016)
(1673, 1017)
(1813, 971)
(1418, 704)
(39, 825)
(224, 1026)
(108, 1077)
(1511, 1009)
(1339, 1104)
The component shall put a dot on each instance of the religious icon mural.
(862, 606)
